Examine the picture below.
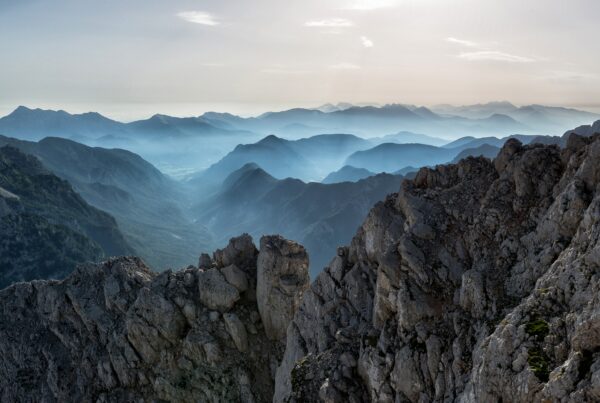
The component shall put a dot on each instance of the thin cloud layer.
(462, 42)
(366, 5)
(494, 55)
(330, 23)
(198, 17)
(345, 66)
(486, 54)
(366, 42)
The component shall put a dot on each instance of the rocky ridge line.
(476, 282)
(119, 332)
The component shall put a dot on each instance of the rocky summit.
(118, 332)
(476, 282)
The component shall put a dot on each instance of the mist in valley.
(181, 186)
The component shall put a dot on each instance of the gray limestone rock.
(282, 278)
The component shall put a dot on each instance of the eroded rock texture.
(118, 332)
(477, 282)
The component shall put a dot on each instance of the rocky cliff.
(475, 282)
(118, 332)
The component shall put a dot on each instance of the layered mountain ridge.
(46, 227)
(477, 281)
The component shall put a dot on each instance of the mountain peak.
(272, 139)
(22, 108)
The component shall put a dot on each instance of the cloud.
(366, 5)
(567, 76)
(282, 70)
(330, 23)
(367, 43)
(198, 17)
(462, 42)
(344, 66)
(494, 55)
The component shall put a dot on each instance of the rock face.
(119, 332)
(477, 282)
(282, 279)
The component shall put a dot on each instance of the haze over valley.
(342, 201)
(180, 186)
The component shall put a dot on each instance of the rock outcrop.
(119, 332)
(282, 279)
(477, 282)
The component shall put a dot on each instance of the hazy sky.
(131, 58)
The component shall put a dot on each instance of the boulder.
(215, 292)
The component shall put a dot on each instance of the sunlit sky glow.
(132, 58)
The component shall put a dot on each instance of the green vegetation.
(539, 363)
(48, 228)
(538, 328)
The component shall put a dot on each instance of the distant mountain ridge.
(552, 120)
(46, 227)
(309, 159)
(148, 205)
(347, 173)
(35, 124)
(322, 216)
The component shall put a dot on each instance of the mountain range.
(269, 185)
(173, 143)
(322, 216)
(308, 159)
(149, 206)
(547, 119)
(47, 228)
(347, 173)
(476, 282)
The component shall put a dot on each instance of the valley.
(316, 189)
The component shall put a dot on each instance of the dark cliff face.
(46, 227)
(476, 282)
(117, 331)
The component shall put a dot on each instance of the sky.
(132, 58)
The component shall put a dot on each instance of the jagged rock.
(237, 330)
(240, 251)
(215, 292)
(205, 261)
(476, 282)
(282, 278)
(119, 332)
(235, 277)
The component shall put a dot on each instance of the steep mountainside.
(118, 332)
(308, 159)
(477, 282)
(46, 227)
(148, 206)
(320, 216)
